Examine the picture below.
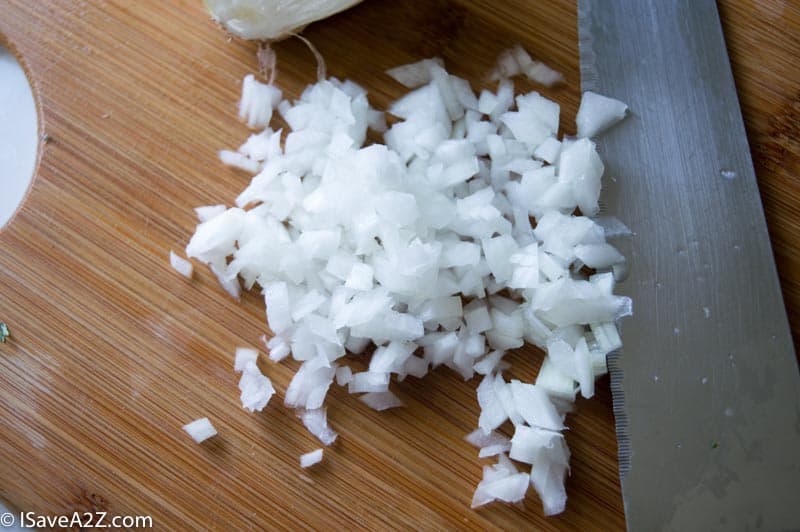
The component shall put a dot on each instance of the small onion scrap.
(181, 265)
(200, 429)
(309, 459)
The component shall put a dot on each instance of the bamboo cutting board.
(112, 351)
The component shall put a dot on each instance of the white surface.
(18, 141)
(18, 135)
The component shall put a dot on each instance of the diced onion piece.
(278, 348)
(200, 429)
(276, 296)
(491, 444)
(181, 265)
(581, 168)
(554, 382)
(501, 482)
(343, 375)
(316, 421)
(489, 364)
(237, 160)
(209, 211)
(244, 356)
(256, 388)
(230, 285)
(534, 406)
(575, 363)
(613, 227)
(216, 238)
(416, 74)
(381, 400)
(257, 102)
(516, 60)
(492, 412)
(369, 382)
(597, 113)
(548, 453)
(548, 150)
(607, 336)
(309, 459)
(542, 73)
(600, 256)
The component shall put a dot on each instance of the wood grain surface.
(112, 351)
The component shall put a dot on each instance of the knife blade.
(706, 388)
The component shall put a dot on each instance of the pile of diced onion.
(453, 242)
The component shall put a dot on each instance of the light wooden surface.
(112, 351)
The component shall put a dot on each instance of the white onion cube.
(200, 429)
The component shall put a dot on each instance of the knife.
(706, 388)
